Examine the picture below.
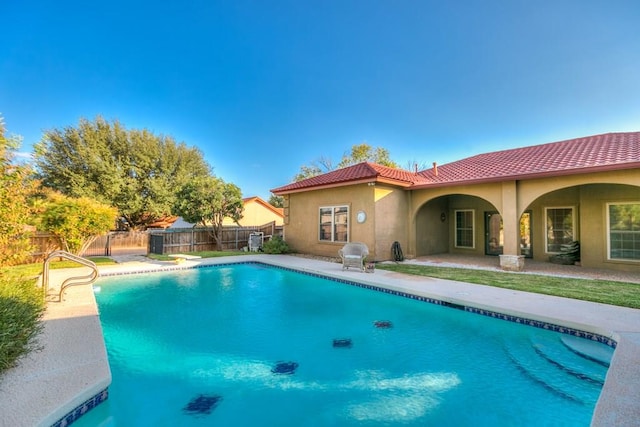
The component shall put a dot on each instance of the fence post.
(107, 247)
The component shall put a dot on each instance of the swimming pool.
(249, 344)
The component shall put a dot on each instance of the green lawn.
(202, 254)
(603, 291)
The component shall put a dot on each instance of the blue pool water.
(252, 345)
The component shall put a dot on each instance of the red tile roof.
(361, 172)
(610, 151)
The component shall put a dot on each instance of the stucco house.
(257, 212)
(519, 203)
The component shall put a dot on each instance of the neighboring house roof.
(181, 223)
(269, 206)
(163, 222)
(597, 153)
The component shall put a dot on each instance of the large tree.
(16, 188)
(359, 153)
(134, 170)
(208, 201)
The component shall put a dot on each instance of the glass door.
(494, 233)
(526, 246)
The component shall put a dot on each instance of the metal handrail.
(71, 281)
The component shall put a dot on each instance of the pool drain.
(287, 368)
(383, 324)
(202, 404)
(342, 343)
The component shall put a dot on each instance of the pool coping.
(81, 382)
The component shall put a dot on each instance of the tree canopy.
(276, 201)
(77, 222)
(208, 201)
(359, 153)
(134, 170)
(365, 153)
(16, 188)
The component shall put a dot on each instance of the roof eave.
(537, 175)
(368, 180)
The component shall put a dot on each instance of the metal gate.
(156, 243)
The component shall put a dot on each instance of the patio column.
(511, 258)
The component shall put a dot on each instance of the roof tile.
(610, 151)
(599, 152)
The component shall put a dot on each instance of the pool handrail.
(71, 281)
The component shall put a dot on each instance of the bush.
(276, 245)
(21, 307)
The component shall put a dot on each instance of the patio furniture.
(256, 240)
(353, 255)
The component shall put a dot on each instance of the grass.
(602, 291)
(202, 254)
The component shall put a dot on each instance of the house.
(257, 212)
(520, 203)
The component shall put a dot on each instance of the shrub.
(21, 307)
(276, 245)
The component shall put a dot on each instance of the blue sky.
(264, 87)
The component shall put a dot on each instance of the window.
(334, 224)
(464, 229)
(559, 228)
(623, 229)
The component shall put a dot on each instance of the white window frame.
(608, 228)
(333, 223)
(473, 228)
(574, 230)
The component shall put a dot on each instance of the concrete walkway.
(43, 377)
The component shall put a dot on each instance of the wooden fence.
(119, 243)
(113, 243)
(43, 244)
(178, 240)
(160, 241)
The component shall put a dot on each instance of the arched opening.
(458, 224)
(603, 218)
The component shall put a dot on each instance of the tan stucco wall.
(391, 221)
(413, 217)
(255, 214)
(302, 218)
(386, 219)
(432, 233)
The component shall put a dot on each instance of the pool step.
(571, 362)
(591, 350)
(559, 374)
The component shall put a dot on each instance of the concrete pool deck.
(72, 367)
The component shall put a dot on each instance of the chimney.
(415, 168)
(435, 168)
